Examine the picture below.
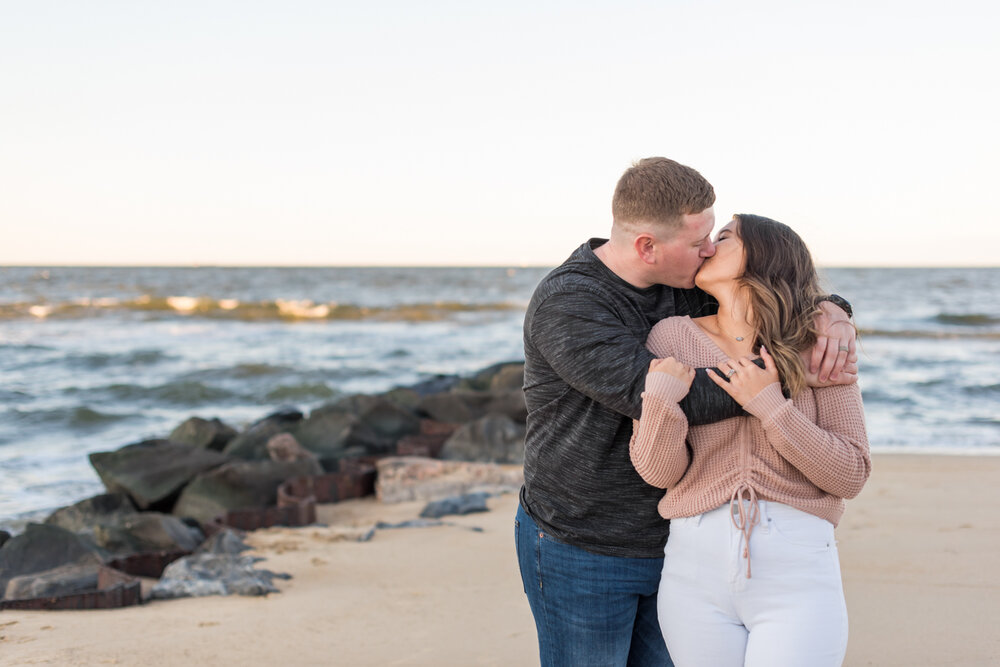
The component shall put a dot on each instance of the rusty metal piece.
(293, 492)
(421, 445)
(114, 589)
(432, 427)
(298, 496)
(428, 442)
(362, 465)
(147, 564)
(360, 480)
(330, 488)
(301, 513)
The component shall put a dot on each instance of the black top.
(585, 366)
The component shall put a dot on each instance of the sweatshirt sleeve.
(833, 452)
(658, 447)
(587, 344)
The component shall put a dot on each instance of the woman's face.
(726, 265)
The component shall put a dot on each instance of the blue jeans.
(589, 609)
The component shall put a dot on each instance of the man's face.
(679, 258)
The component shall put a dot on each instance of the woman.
(751, 574)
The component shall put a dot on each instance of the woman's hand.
(746, 379)
(671, 366)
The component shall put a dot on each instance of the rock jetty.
(174, 507)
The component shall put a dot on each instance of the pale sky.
(471, 133)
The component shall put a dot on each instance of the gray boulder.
(145, 532)
(252, 443)
(381, 424)
(84, 515)
(454, 407)
(356, 425)
(226, 541)
(326, 430)
(214, 574)
(152, 472)
(67, 579)
(42, 547)
(239, 485)
(492, 439)
(434, 385)
(464, 405)
(510, 403)
(404, 397)
(503, 376)
(203, 433)
(111, 524)
(284, 447)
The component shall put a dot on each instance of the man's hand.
(746, 379)
(671, 366)
(834, 357)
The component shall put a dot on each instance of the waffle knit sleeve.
(658, 448)
(832, 452)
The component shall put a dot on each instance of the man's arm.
(588, 345)
(833, 360)
(705, 403)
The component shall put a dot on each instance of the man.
(588, 535)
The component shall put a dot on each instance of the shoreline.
(15, 524)
(916, 547)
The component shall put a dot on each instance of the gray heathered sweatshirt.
(585, 366)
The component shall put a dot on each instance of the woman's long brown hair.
(784, 291)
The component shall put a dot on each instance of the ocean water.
(92, 359)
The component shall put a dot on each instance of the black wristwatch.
(840, 302)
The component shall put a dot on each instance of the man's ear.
(645, 247)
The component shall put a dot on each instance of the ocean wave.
(21, 347)
(931, 334)
(184, 393)
(289, 310)
(880, 396)
(239, 372)
(967, 319)
(80, 416)
(307, 391)
(99, 360)
(980, 390)
(14, 396)
(980, 421)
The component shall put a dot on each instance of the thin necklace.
(739, 339)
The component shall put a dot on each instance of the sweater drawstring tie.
(743, 517)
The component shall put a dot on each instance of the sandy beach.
(917, 552)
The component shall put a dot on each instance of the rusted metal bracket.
(298, 497)
(114, 589)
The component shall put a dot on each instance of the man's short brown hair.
(660, 191)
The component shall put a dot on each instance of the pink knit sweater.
(810, 452)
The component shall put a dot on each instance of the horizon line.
(198, 265)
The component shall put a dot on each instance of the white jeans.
(791, 611)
